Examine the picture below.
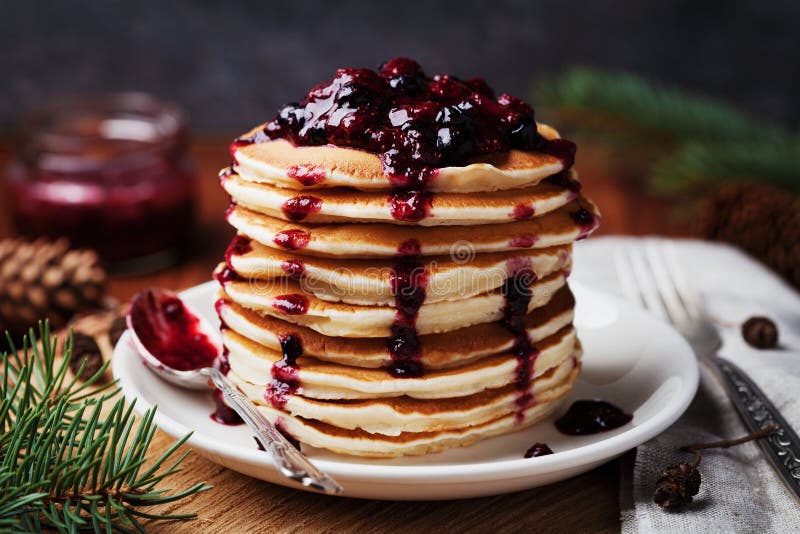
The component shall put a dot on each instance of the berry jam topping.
(523, 241)
(292, 304)
(240, 246)
(307, 174)
(517, 292)
(522, 211)
(219, 304)
(298, 208)
(285, 381)
(259, 137)
(415, 123)
(406, 369)
(292, 239)
(583, 217)
(408, 282)
(293, 268)
(410, 206)
(170, 332)
(564, 180)
(225, 173)
(229, 210)
(225, 275)
(409, 247)
(591, 417)
(538, 449)
(223, 413)
(223, 362)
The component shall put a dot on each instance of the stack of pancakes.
(381, 323)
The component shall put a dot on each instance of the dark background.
(231, 64)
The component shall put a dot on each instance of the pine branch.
(72, 452)
(661, 110)
(680, 141)
(694, 165)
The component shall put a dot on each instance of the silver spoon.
(290, 462)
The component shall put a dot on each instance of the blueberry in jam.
(415, 123)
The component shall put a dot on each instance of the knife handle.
(782, 447)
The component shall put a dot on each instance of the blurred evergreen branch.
(73, 456)
(688, 141)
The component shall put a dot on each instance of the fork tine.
(691, 301)
(664, 282)
(645, 283)
(625, 276)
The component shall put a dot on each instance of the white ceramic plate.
(631, 359)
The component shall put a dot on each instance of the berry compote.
(414, 122)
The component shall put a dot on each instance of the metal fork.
(652, 276)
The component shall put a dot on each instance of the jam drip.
(523, 241)
(410, 206)
(298, 208)
(240, 245)
(226, 274)
(563, 179)
(292, 239)
(522, 211)
(291, 304)
(223, 413)
(307, 174)
(413, 122)
(587, 220)
(408, 282)
(294, 269)
(517, 292)
(590, 417)
(538, 449)
(170, 332)
(285, 381)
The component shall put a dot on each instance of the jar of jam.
(110, 173)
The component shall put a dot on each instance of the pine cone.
(677, 485)
(762, 220)
(85, 348)
(46, 280)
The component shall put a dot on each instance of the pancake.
(409, 295)
(424, 209)
(324, 380)
(437, 351)
(285, 299)
(393, 416)
(361, 443)
(283, 164)
(375, 240)
(369, 282)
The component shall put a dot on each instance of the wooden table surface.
(587, 503)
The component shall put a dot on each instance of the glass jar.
(110, 173)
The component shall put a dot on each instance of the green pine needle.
(682, 141)
(653, 107)
(72, 452)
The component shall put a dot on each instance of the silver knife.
(782, 447)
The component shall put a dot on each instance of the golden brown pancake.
(375, 240)
(348, 205)
(358, 442)
(369, 282)
(395, 415)
(437, 350)
(324, 380)
(281, 163)
(285, 299)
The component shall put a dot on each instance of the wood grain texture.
(588, 503)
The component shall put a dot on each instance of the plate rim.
(601, 451)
